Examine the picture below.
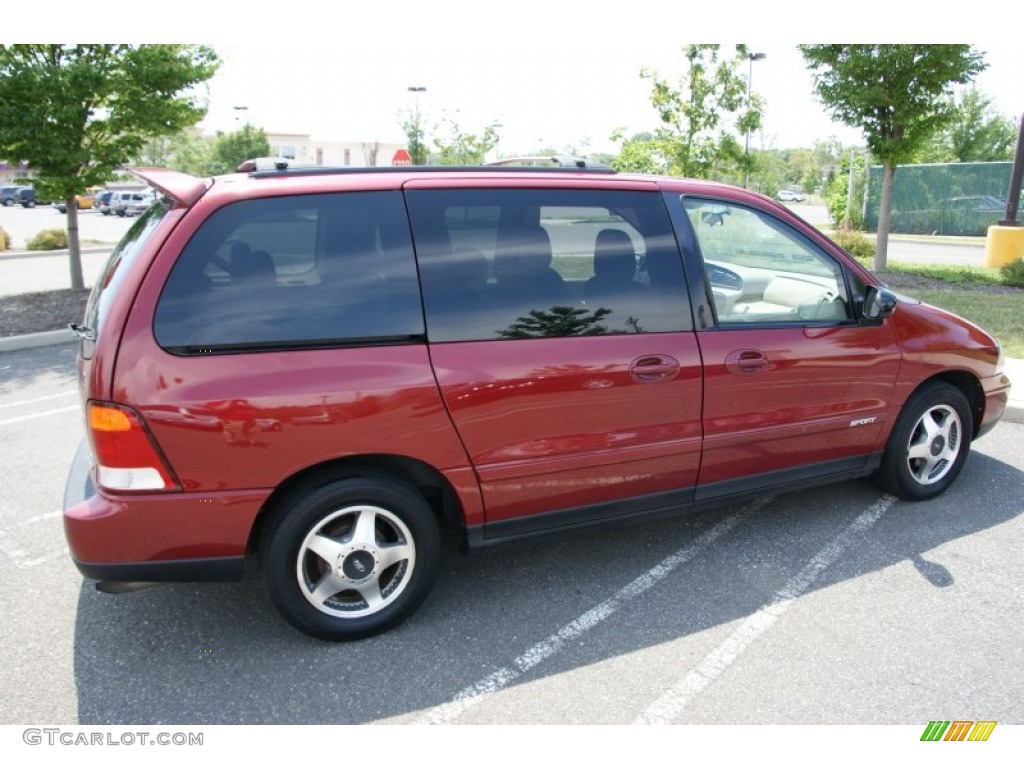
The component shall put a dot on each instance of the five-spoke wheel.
(350, 557)
(929, 443)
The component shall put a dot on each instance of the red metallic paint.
(559, 423)
(165, 526)
(798, 408)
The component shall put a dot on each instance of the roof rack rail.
(346, 170)
(272, 164)
(548, 161)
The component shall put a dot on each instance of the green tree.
(975, 134)
(701, 119)
(897, 94)
(232, 149)
(186, 151)
(461, 148)
(78, 112)
(415, 137)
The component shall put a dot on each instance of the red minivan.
(324, 366)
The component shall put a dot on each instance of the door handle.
(744, 361)
(652, 368)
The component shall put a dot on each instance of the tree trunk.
(74, 250)
(884, 209)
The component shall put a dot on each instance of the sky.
(552, 74)
(555, 93)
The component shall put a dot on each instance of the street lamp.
(417, 90)
(751, 58)
(497, 140)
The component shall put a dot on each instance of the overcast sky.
(550, 92)
(562, 74)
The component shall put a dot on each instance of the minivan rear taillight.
(126, 456)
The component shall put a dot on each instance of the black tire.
(8, 202)
(30, 204)
(929, 443)
(382, 542)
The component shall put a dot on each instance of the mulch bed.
(45, 311)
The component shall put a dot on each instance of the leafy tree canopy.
(974, 134)
(232, 149)
(897, 94)
(701, 118)
(461, 148)
(78, 112)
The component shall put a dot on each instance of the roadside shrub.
(49, 240)
(854, 243)
(1013, 273)
(5, 239)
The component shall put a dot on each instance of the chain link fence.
(941, 198)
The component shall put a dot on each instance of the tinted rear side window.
(106, 287)
(294, 272)
(526, 263)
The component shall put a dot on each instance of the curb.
(1014, 408)
(31, 340)
(17, 255)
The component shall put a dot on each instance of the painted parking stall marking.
(19, 419)
(672, 703)
(23, 403)
(478, 692)
(28, 555)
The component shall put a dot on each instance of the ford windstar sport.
(325, 366)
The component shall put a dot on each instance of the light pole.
(497, 140)
(416, 90)
(751, 58)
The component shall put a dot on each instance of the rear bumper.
(157, 536)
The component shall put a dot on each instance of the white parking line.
(39, 415)
(21, 557)
(38, 399)
(475, 694)
(671, 704)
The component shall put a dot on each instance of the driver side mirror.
(879, 303)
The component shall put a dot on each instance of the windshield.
(117, 266)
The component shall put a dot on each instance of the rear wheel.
(929, 443)
(350, 558)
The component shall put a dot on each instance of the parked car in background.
(139, 203)
(26, 197)
(84, 201)
(102, 202)
(791, 196)
(8, 195)
(130, 202)
(324, 367)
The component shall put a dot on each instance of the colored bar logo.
(958, 730)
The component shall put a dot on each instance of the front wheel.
(929, 443)
(351, 557)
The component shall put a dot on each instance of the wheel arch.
(425, 479)
(967, 383)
